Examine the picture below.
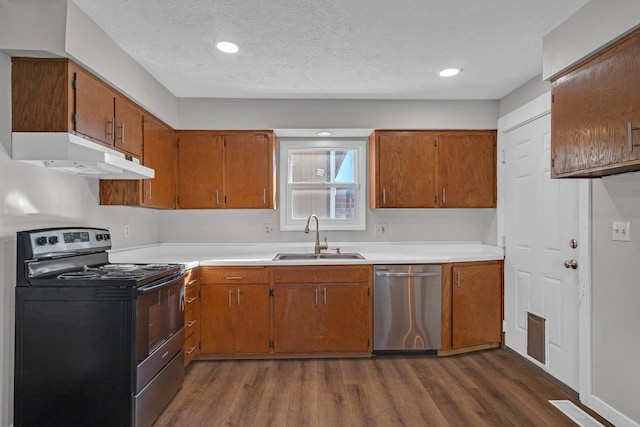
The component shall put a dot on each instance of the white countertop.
(261, 254)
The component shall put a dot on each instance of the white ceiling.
(341, 49)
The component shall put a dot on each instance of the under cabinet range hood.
(69, 152)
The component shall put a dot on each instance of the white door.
(541, 219)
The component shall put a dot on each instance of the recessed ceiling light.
(227, 47)
(449, 72)
(324, 133)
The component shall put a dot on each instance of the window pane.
(321, 166)
(326, 202)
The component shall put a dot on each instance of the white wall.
(616, 295)
(595, 25)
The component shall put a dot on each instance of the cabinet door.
(406, 170)
(94, 111)
(477, 304)
(159, 154)
(217, 314)
(200, 170)
(296, 318)
(128, 127)
(592, 107)
(248, 173)
(467, 169)
(345, 317)
(252, 318)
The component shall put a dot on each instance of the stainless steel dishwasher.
(407, 302)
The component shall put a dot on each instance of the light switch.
(621, 231)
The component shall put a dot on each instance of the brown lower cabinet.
(472, 306)
(235, 310)
(322, 309)
(191, 317)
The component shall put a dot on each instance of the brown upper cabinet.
(467, 169)
(56, 95)
(432, 169)
(595, 114)
(159, 154)
(226, 169)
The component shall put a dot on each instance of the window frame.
(359, 145)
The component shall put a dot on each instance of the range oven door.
(160, 341)
(160, 313)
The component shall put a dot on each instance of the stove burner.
(123, 275)
(118, 267)
(155, 266)
(75, 275)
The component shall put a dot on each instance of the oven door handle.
(152, 287)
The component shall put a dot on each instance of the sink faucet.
(319, 246)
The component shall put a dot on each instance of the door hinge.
(271, 292)
(552, 162)
(73, 117)
(553, 98)
(73, 81)
(504, 326)
(271, 344)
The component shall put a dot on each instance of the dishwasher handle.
(397, 274)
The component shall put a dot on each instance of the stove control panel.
(52, 241)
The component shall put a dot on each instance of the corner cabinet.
(472, 306)
(433, 169)
(319, 310)
(226, 169)
(159, 154)
(595, 114)
(235, 311)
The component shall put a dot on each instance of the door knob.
(571, 263)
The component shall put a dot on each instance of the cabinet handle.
(190, 350)
(444, 197)
(234, 278)
(630, 130)
(191, 282)
(112, 124)
(217, 197)
(316, 297)
(238, 296)
(149, 197)
(458, 279)
(325, 296)
(121, 133)
(190, 300)
(229, 297)
(384, 196)
(190, 324)
(264, 196)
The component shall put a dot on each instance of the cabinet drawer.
(190, 348)
(234, 275)
(324, 274)
(192, 277)
(190, 324)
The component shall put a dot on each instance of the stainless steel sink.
(309, 256)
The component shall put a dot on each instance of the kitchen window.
(324, 177)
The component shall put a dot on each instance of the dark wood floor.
(488, 388)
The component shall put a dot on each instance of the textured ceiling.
(342, 49)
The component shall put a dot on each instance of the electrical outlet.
(621, 231)
(381, 229)
(268, 228)
(126, 231)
